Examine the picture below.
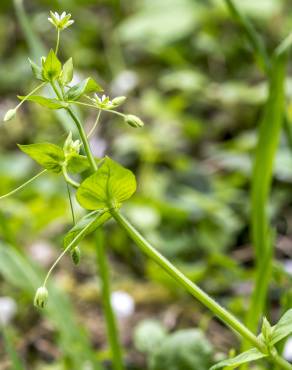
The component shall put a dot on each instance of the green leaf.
(100, 218)
(48, 155)
(245, 357)
(67, 72)
(85, 87)
(45, 102)
(52, 67)
(283, 328)
(77, 163)
(110, 185)
(36, 70)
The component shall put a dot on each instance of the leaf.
(48, 155)
(283, 328)
(45, 102)
(77, 163)
(36, 70)
(100, 218)
(110, 185)
(67, 72)
(248, 356)
(52, 67)
(85, 87)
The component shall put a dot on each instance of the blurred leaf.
(245, 357)
(45, 102)
(85, 87)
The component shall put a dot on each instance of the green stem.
(71, 205)
(31, 93)
(95, 125)
(106, 294)
(111, 325)
(22, 185)
(225, 316)
(68, 179)
(58, 42)
(192, 288)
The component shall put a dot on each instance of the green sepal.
(84, 87)
(108, 187)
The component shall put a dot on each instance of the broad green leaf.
(52, 67)
(108, 187)
(283, 328)
(77, 163)
(243, 358)
(45, 102)
(85, 87)
(36, 70)
(67, 72)
(48, 155)
(100, 218)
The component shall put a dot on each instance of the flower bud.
(41, 297)
(75, 255)
(118, 100)
(133, 120)
(9, 115)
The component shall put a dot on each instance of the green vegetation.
(203, 189)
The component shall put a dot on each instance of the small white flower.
(123, 304)
(60, 21)
(104, 101)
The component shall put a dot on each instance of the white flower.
(60, 21)
(104, 101)
(123, 304)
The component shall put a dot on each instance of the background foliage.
(189, 72)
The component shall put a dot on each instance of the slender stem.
(94, 106)
(68, 179)
(111, 325)
(71, 245)
(31, 93)
(58, 42)
(95, 125)
(106, 294)
(225, 316)
(192, 288)
(23, 185)
(71, 204)
(84, 139)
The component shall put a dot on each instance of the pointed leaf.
(85, 87)
(100, 218)
(45, 102)
(52, 67)
(283, 328)
(36, 70)
(67, 72)
(245, 357)
(110, 185)
(48, 155)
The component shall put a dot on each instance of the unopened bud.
(133, 120)
(75, 255)
(9, 115)
(41, 297)
(118, 100)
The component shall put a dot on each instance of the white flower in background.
(60, 21)
(123, 304)
(8, 310)
(288, 350)
(104, 101)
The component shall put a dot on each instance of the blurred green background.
(188, 71)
